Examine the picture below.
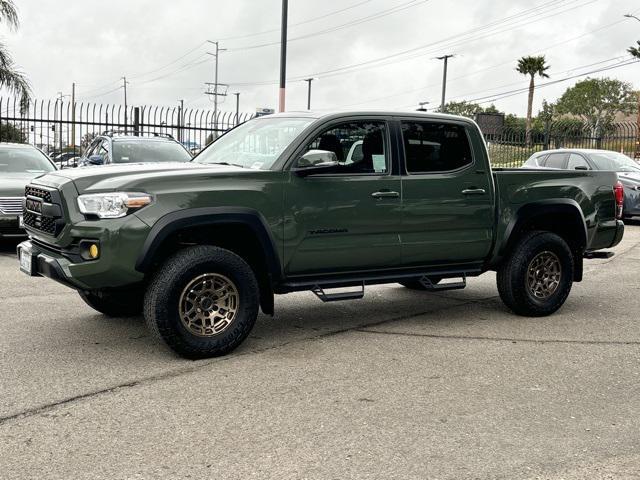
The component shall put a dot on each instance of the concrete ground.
(402, 384)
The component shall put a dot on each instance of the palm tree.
(635, 51)
(10, 77)
(532, 66)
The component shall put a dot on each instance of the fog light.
(89, 249)
(94, 252)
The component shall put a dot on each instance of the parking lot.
(400, 385)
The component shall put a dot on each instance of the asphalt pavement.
(401, 384)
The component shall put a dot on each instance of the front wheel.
(535, 280)
(202, 302)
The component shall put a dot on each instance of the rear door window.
(432, 147)
(576, 160)
(556, 160)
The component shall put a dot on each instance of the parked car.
(19, 164)
(123, 148)
(66, 159)
(628, 170)
(272, 207)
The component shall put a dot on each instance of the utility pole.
(444, 80)
(73, 116)
(283, 56)
(215, 83)
(124, 85)
(237, 94)
(637, 152)
(309, 80)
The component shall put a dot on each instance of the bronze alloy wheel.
(543, 275)
(209, 304)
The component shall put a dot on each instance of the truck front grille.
(11, 205)
(44, 220)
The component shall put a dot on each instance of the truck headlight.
(112, 204)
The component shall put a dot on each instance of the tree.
(532, 66)
(596, 101)
(10, 133)
(467, 109)
(635, 51)
(10, 77)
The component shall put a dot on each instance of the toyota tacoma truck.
(284, 203)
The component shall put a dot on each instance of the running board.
(429, 285)
(592, 255)
(338, 296)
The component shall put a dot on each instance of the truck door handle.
(385, 194)
(474, 191)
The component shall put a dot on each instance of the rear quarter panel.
(591, 190)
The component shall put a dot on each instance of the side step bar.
(429, 285)
(593, 255)
(338, 296)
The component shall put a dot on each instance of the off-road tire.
(512, 275)
(162, 299)
(416, 285)
(113, 303)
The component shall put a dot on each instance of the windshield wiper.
(228, 164)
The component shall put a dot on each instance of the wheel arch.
(246, 223)
(560, 216)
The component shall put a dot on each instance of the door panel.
(348, 219)
(447, 216)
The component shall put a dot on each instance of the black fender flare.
(206, 216)
(549, 207)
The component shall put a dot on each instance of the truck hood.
(111, 177)
(12, 184)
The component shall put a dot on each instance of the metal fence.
(59, 127)
(508, 147)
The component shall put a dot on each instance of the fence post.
(547, 133)
(136, 121)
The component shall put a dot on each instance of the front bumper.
(10, 227)
(43, 264)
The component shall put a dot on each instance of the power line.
(310, 20)
(375, 16)
(389, 59)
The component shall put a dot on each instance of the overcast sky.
(354, 47)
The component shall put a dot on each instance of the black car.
(628, 170)
(120, 148)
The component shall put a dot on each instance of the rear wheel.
(113, 303)
(202, 302)
(536, 279)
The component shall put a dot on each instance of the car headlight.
(113, 204)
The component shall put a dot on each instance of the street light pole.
(309, 80)
(283, 57)
(444, 80)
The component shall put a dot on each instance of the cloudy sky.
(365, 53)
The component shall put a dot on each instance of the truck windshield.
(616, 162)
(257, 144)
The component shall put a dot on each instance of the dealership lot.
(400, 385)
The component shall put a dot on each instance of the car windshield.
(23, 160)
(614, 161)
(132, 151)
(257, 144)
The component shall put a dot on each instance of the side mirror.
(315, 161)
(581, 167)
(96, 160)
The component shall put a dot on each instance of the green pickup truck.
(322, 202)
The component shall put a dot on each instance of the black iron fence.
(508, 147)
(60, 127)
